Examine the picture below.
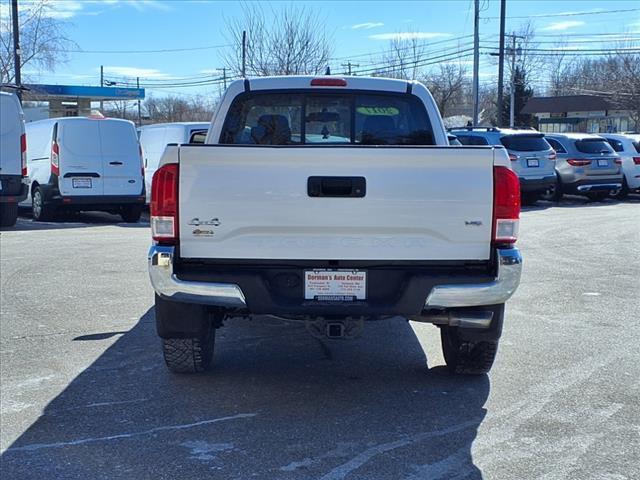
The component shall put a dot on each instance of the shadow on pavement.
(74, 220)
(278, 405)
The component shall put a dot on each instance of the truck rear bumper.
(420, 292)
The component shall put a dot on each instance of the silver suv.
(532, 158)
(586, 165)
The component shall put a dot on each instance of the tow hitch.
(348, 328)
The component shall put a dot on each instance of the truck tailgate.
(254, 202)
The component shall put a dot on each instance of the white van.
(80, 163)
(13, 162)
(154, 138)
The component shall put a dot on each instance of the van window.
(525, 143)
(327, 118)
(556, 145)
(615, 144)
(472, 140)
(593, 145)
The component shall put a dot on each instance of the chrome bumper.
(474, 295)
(600, 186)
(166, 284)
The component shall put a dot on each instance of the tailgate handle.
(349, 187)
(115, 163)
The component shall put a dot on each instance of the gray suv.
(532, 158)
(586, 165)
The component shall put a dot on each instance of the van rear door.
(81, 168)
(121, 162)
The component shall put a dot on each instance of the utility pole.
(139, 109)
(500, 117)
(224, 77)
(244, 53)
(16, 49)
(476, 61)
(102, 85)
(348, 65)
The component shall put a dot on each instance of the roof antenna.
(327, 71)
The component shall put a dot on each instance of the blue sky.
(357, 27)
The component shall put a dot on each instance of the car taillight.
(636, 160)
(513, 157)
(55, 159)
(328, 82)
(23, 153)
(506, 206)
(552, 156)
(578, 163)
(617, 161)
(164, 204)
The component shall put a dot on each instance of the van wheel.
(464, 356)
(40, 211)
(8, 214)
(131, 213)
(189, 355)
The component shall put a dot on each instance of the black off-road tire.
(8, 214)
(131, 213)
(467, 357)
(41, 212)
(189, 355)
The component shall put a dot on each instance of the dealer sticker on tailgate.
(335, 285)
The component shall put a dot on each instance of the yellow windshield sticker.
(389, 111)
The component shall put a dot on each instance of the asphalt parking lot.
(85, 394)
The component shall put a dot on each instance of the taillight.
(506, 206)
(23, 153)
(328, 82)
(164, 204)
(578, 163)
(552, 156)
(636, 160)
(55, 159)
(513, 157)
(617, 161)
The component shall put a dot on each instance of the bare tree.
(288, 41)
(402, 59)
(447, 85)
(176, 109)
(43, 40)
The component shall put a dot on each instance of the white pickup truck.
(333, 201)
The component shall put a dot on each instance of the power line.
(164, 50)
(568, 14)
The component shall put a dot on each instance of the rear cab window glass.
(593, 145)
(273, 118)
(525, 143)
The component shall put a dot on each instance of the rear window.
(525, 143)
(331, 118)
(593, 145)
(472, 140)
(615, 144)
(636, 145)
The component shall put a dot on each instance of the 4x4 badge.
(215, 222)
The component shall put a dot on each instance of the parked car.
(79, 163)
(586, 165)
(13, 161)
(154, 139)
(532, 158)
(628, 147)
(301, 204)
